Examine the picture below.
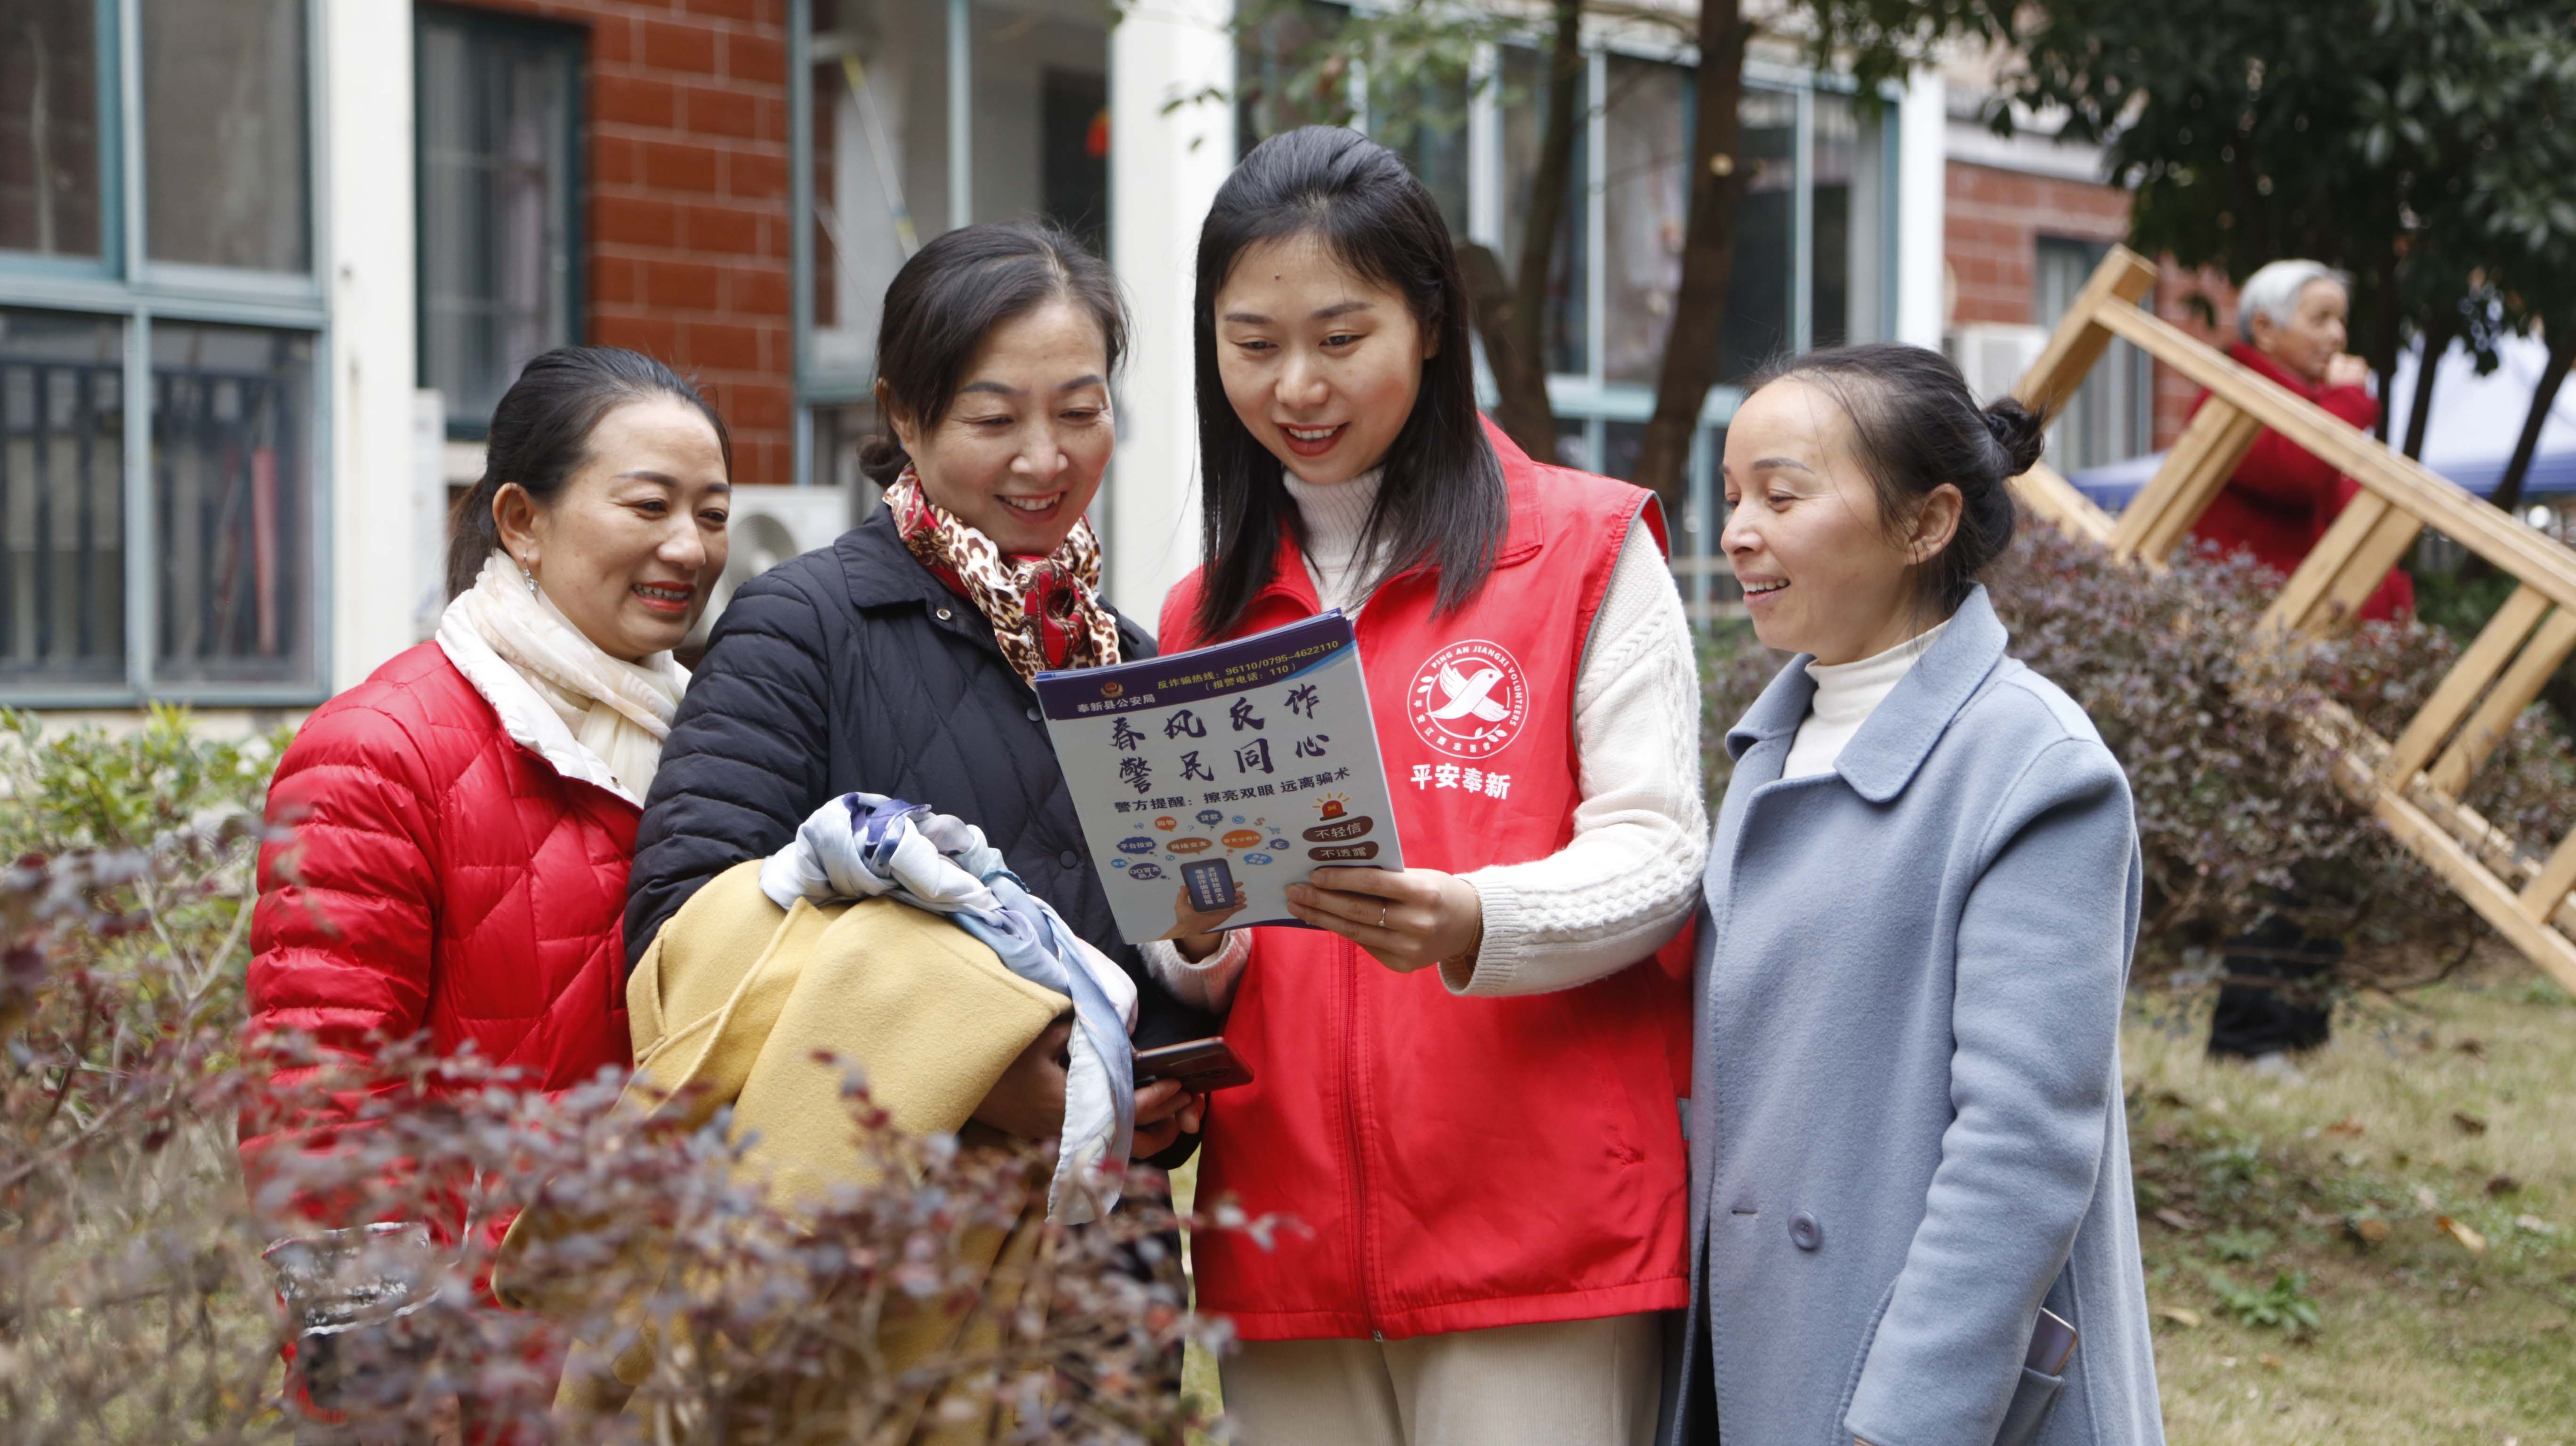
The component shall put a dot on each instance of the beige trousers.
(1568, 1383)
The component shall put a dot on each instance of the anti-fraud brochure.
(1232, 771)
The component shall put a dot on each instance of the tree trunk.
(1717, 181)
(2382, 355)
(1526, 321)
(1520, 376)
(2437, 339)
(2508, 493)
(2562, 352)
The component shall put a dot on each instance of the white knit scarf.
(618, 710)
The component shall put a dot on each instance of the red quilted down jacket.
(441, 876)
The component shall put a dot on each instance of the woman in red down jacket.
(2282, 499)
(451, 836)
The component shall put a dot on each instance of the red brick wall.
(1993, 220)
(687, 211)
(2180, 296)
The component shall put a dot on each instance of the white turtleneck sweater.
(1630, 874)
(1846, 694)
(1335, 514)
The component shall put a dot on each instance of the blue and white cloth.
(866, 845)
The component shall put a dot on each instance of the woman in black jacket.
(896, 661)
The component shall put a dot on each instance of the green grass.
(1198, 1369)
(2278, 1322)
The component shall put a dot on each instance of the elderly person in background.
(2281, 500)
(2278, 506)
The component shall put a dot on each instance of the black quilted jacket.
(852, 668)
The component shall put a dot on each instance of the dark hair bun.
(883, 458)
(2021, 432)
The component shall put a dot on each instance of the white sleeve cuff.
(1502, 948)
(1207, 984)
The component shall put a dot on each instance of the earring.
(530, 577)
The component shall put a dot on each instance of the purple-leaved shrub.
(135, 1305)
(2239, 812)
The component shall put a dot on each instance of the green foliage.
(2232, 1171)
(2283, 1305)
(1418, 59)
(166, 956)
(2542, 992)
(87, 788)
(2423, 145)
(2363, 1159)
(2520, 196)
(1733, 667)
(1880, 41)
(2458, 604)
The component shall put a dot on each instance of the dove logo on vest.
(1469, 699)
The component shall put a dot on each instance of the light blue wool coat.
(1906, 1121)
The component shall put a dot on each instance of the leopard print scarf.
(1045, 611)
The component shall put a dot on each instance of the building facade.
(923, 115)
(2025, 222)
(266, 264)
(172, 319)
(609, 171)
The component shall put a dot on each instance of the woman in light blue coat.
(1906, 1126)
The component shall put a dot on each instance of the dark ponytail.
(541, 435)
(952, 293)
(1916, 426)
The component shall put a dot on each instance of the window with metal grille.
(2111, 417)
(228, 490)
(62, 496)
(499, 107)
(160, 518)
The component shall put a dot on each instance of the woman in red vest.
(1467, 1070)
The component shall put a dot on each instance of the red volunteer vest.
(1455, 1164)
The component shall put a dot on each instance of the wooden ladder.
(2413, 784)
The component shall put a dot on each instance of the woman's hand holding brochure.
(1407, 919)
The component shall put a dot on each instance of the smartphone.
(2052, 1342)
(1211, 885)
(1200, 1064)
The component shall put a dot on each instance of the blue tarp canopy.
(2475, 421)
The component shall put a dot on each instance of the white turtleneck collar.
(1846, 694)
(1336, 515)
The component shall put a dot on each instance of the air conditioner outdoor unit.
(769, 525)
(1994, 355)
